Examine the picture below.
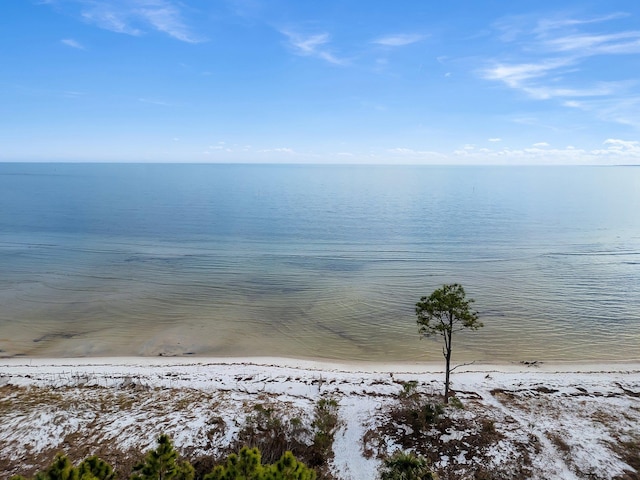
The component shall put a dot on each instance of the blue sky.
(349, 81)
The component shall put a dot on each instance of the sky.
(294, 81)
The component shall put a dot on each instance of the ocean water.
(317, 261)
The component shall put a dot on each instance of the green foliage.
(420, 417)
(162, 464)
(246, 465)
(325, 424)
(456, 403)
(94, 468)
(61, 468)
(413, 411)
(408, 389)
(289, 468)
(444, 312)
(267, 430)
(406, 466)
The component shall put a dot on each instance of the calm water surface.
(317, 261)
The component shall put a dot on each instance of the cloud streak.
(136, 17)
(312, 46)
(555, 62)
(398, 40)
(69, 42)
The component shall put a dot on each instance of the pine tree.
(94, 468)
(443, 313)
(289, 468)
(246, 465)
(162, 464)
(60, 469)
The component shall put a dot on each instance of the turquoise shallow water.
(317, 261)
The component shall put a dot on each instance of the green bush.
(325, 424)
(406, 466)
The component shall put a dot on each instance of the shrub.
(325, 424)
(406, 466)
(268, 431)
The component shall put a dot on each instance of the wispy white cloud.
(601, 89)
(518, 75)
(621, 107)
(136, 17)
(495, 139)
(540, 145)
(166, 17)
(70, 42)
(554, 63)
(109, 18)
(602, 44)
(546, 25)
(312, 46)
(73, 94)
(156, 102)
(398, 40)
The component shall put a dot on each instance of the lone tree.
(444, 312)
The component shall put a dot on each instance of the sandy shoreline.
(324, 365)
(537, 412)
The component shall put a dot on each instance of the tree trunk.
(447, 356)
(446, 379)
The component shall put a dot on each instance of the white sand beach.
(517, 420)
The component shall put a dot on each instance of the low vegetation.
(324, 429)
(163, 463)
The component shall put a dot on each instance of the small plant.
(408, 389)
(325, 424)
(455, 402)
(406, 466)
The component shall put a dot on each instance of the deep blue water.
(317, 261)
